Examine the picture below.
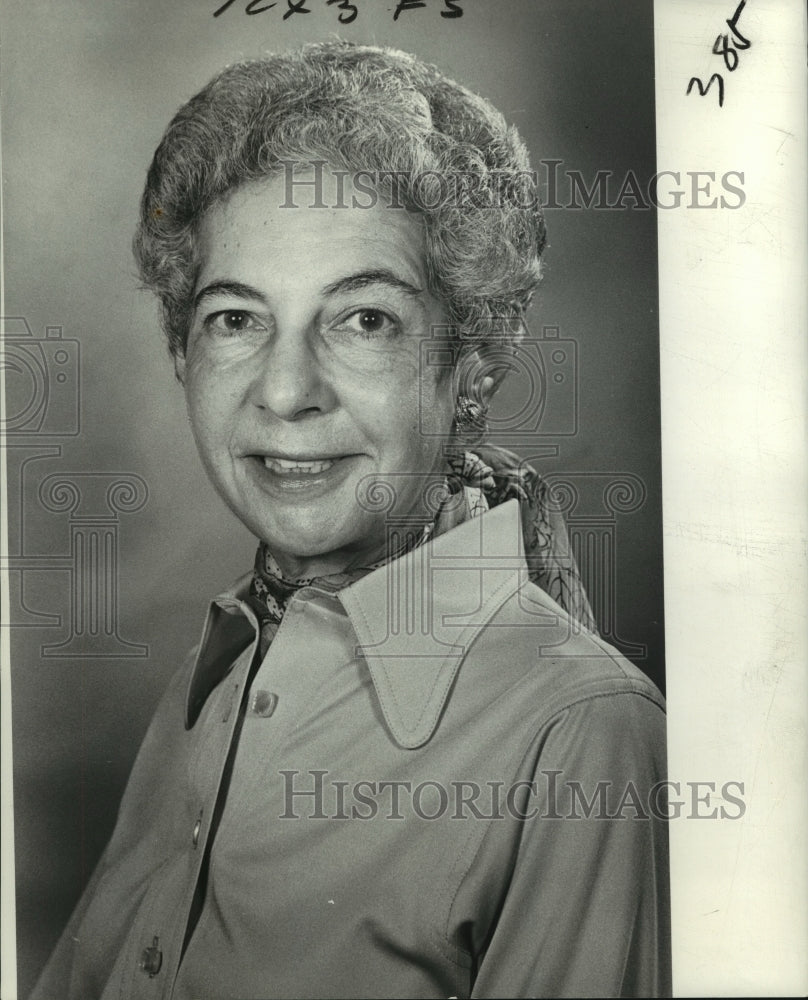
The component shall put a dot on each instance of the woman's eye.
(369, 322)
(234, 321)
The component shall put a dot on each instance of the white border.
(734, 417)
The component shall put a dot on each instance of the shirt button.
(262, 703)
(151, 959)
(197, 828)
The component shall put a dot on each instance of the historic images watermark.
(318, 794)
(317, 184)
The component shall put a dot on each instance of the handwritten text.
(346, 11)
(728, 50)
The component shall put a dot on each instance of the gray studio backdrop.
(102, 471)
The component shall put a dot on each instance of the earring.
(470, 418)
(468, 413)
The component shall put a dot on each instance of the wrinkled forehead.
(258, 227)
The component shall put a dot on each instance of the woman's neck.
(296, 568)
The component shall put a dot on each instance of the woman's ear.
(480, 372)
(179, 367)
(487, 388)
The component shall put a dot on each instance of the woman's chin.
(306, 550)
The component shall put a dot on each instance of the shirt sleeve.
(585, 908)
(73, 966)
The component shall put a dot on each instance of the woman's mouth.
(303, 477)
(298, 467)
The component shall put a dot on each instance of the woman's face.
(303, 371)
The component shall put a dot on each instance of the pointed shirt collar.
(414, 619)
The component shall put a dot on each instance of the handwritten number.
(453, 9)
(223, 8)
(716, 77)
(348, 12)
(740, 41)
(345, 8)
(407, 5)
(727, 51)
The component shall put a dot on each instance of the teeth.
(285, 466)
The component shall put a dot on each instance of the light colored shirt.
(434, 784)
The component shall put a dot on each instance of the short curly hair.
(360, 108)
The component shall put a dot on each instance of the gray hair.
(359, 108)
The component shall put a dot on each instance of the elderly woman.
(400, 762)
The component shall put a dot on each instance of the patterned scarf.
(488, 476)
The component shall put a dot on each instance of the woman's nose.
(288, 380)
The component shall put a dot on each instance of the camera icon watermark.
(42, 390)
(543, 376)
(42, 381)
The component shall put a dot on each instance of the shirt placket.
(159, 940)
(261, 731)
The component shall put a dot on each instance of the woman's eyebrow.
(349, 283)
(361, 279)
(236, 288)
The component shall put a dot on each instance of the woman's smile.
(306, 479)
(297, 466)
(306, 351)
